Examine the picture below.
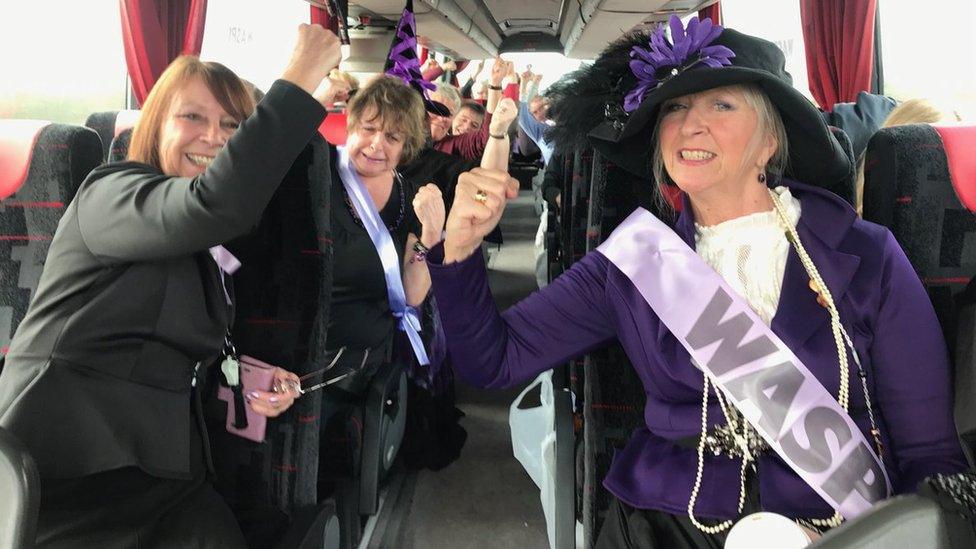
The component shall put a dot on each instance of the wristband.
(420, 252)
(502, 136)
(496, 88)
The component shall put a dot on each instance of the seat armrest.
(903, 522)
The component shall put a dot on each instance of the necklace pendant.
(815, 288)
(876, 434)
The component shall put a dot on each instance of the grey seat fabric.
(108, 125)
(104, 125)
(904, 522)
(119, 147)
(62, 156)
(20, 486)
(908, 188)
(613, 395)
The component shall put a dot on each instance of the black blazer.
(130, 303)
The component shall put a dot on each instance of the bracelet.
(502, 136)
(419, 252)
(496, 88)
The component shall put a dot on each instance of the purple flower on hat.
(690, 48)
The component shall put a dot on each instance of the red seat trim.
(960, 143)
(333, 128)
(17, 139)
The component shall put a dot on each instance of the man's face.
(466, 121)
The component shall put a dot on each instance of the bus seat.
(903, 522)
(41, 167)
(119, 147)
(110, 124)
(910, 188)
(384, 424)
(281, 311)
(920, 182)
(20, 486)
(333, 128)
(845, 188)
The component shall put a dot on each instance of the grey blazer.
(130, 303)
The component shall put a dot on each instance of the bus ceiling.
(478, 29)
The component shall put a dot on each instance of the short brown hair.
(226, 87)
(400, 108)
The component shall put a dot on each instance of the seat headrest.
(333, 128)
(119, 149)
(17, 139)
(125, 120)
(959, 143)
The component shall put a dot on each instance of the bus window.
(61, 64)
(778, 22)
(939, 63)
(251, 39)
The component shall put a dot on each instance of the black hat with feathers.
(589, 106)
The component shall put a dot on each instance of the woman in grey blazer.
(103, 378)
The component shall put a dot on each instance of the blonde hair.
(226, 87)
(450, 93)
(398, 106)
(353, 82)
(769, 122)
(911, 111)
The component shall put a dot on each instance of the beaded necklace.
(398, 181)
(741, 432)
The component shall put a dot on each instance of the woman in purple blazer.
(714, 112)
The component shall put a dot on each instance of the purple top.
(593, 303)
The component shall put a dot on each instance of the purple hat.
(403, 63)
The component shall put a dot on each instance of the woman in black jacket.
(102, 380)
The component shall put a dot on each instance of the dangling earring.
(762, 178)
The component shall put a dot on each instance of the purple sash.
(779, 396)
(408, 317)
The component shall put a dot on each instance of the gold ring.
(481, 196)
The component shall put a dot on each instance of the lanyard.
(228, 265)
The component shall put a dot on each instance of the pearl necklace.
(741, 431)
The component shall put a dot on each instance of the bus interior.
(528, 472)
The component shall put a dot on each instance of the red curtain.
(154, 33)
(713, 12)
(838, 38)
(319, 16)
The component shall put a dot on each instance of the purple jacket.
(882, 306)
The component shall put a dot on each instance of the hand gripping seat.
(109, 125)
(41, 167)
(20, 486)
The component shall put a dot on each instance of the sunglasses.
(298, 388)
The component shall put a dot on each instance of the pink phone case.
(255, 375)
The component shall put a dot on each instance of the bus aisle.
(485, 499)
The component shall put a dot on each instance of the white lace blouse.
(750, 253)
